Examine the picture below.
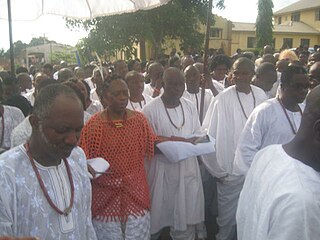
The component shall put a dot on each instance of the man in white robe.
(265, 77)
(275, 121)
(99, 75)
(224, 121)
(44, 184)
(213, 85)
(193, 91)
(155, 87)
(11, 117)
(137, 98)
(281, 194)
(176, 188)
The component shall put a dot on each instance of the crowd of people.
(261, 115)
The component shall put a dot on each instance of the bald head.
(174, 84)
(172, 74)
(64, 74)
(267, 49)
(199, 66)
(186, 61)
(192, 76)
(245, 62)
(155, 71)
(191, 68)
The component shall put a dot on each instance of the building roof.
(286, 27)
(299, 6)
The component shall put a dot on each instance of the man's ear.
(34, 121)
(316, 129)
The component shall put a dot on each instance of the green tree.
(69, 57)
(2, 52)
(18, 49)
(177, 19)
(264, 25)
(40, 41)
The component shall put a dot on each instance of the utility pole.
(10, 38)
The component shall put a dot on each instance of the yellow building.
(220, 37)
(295, 25)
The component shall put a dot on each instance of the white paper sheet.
(99, 165)
(176, 151)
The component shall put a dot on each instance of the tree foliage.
(264, 25)
(2, 52)
(18, 48)
(177, 19)
(40, 41)
(69, 57)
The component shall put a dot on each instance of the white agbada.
(266, 125)
(94, 107)
(24, 210)
(280, 199)
(219, 86)
(148, 90)
(21, 133)
(90, 83)
(138, 106)
(176, 189)
(94, 95)
(196, 99)
(12, 117)
(224, 122)
(30, 96)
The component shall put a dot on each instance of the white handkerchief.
(99, 165)
(176, 151)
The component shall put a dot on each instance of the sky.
(54, 27)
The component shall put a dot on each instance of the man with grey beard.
(45, 190)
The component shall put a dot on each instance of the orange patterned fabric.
(124, 191)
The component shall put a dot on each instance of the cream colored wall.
(308, 17)
(239, 40)
(314, 39)
(284, 18)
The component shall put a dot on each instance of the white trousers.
(134, 228)
(228, 195)
(188, 234)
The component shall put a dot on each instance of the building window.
(216, 33)
(305, 42)
(251, 42)
(295, 17)
(279, 20)
(287, 42)
(317, 18)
